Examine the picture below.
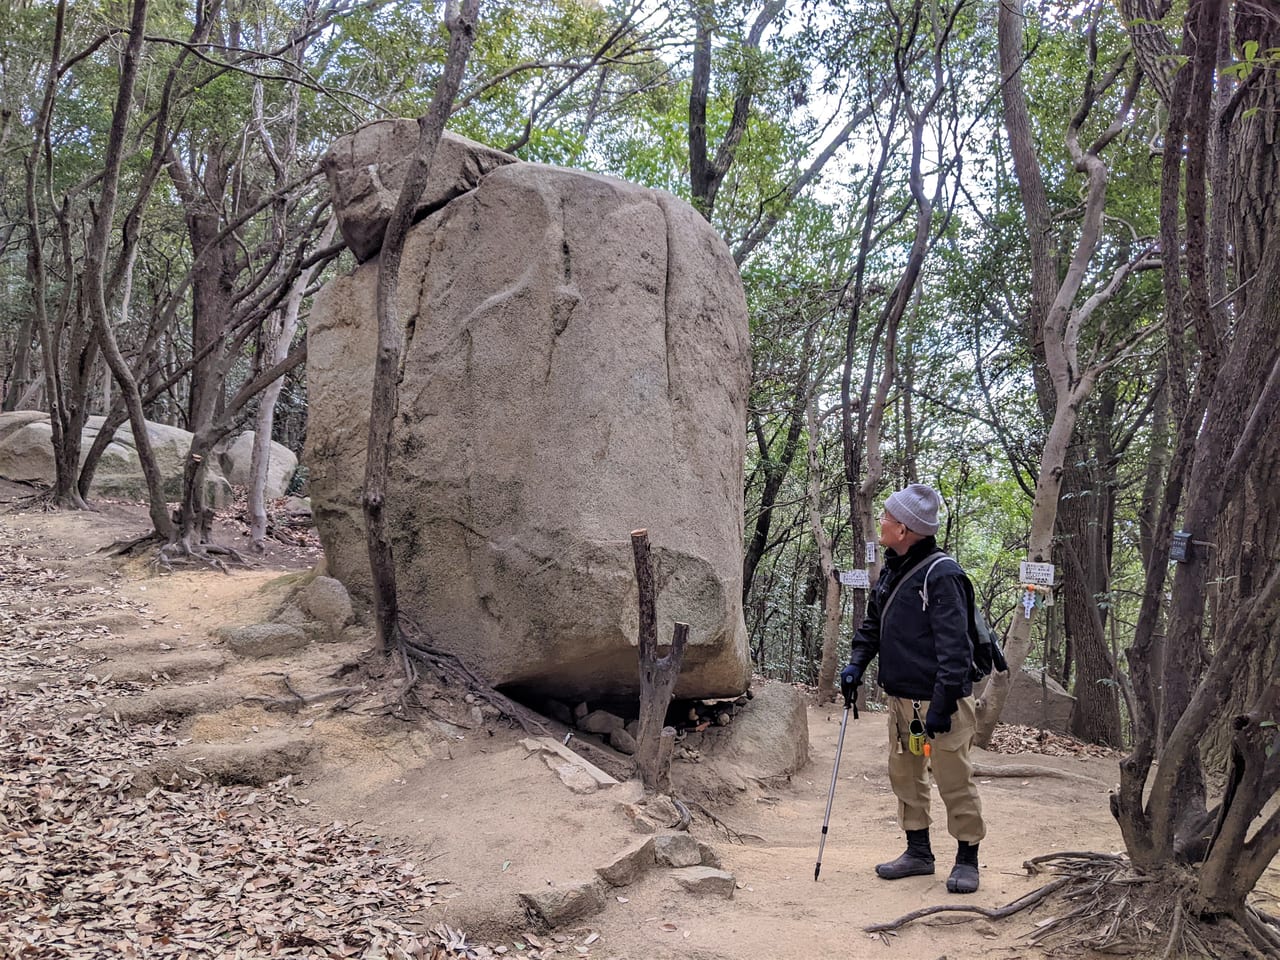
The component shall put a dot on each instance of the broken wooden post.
(655, 742)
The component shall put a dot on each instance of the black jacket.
(924, 649)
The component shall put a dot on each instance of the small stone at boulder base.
(560, 904)
(628, 866)
(327, 600)
(263, 639)
(623, 742)
(601, 721)
(705, 881)
(676, 850)
(708, 855)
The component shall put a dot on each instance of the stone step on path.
(577, 773)
(255, 763)
(171, 665)
(693, 864)
(176, 703)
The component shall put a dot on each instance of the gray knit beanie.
(917, 507)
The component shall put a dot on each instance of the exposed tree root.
(298, 700)
(41, 497)
(991, 913)
(730, 834)
(1263, 930)
(179, 553)
(125, 548)
(1104, 905)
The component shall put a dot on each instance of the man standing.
(917, 621)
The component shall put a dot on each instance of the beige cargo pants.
(952, 770)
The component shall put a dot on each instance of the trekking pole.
(835, 773)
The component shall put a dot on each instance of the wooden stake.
(655, 742)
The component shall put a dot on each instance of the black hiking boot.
(964, 875)
(917, 861)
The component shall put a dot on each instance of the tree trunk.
(1085, 521)
(1055, 320)
(825, 690)
(94, 276)
(658, 676)
(385, 401)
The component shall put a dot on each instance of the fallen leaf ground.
(93, 867)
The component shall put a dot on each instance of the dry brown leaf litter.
(90, 869)
(1014, 738)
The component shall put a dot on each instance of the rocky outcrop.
(235, 457)
(1031, 704)
(366, 169)
(26, 456)
(768, 740)
(576, 367)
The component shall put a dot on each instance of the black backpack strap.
(927, 561)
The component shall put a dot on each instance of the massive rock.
(1032, 705)
(576, 367)
(235, 457)
(26, 456)
(366, 169)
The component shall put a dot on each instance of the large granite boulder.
(576, 367)
(235, 457)
(26, 456)
(767, 741)
(1031, 704)
(366, 169)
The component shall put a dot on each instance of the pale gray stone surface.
(235, 458)
(366, 170)
(601, 721)
(705, 881)
(708, 856)
(1030, 704)
(560, 904)
(676, 850)
(326, 600)
(623, 742)
(578, 368)
(26, 456)
(629, 865)
(768, 739)
(263, 639)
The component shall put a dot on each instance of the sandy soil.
(456, 789)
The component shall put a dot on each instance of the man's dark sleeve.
(949, 622)
(866, 639)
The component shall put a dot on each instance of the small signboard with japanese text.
(855, 578)
(871, 552)
(1041, 573)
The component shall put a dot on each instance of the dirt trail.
(469, 805)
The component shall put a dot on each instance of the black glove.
(850, 677)
(937, 720)
(835, 574)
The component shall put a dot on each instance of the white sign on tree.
(855, 578)
(1041, 573)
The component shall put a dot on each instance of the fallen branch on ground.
(1031, 770)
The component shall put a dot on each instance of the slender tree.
(460, 18)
